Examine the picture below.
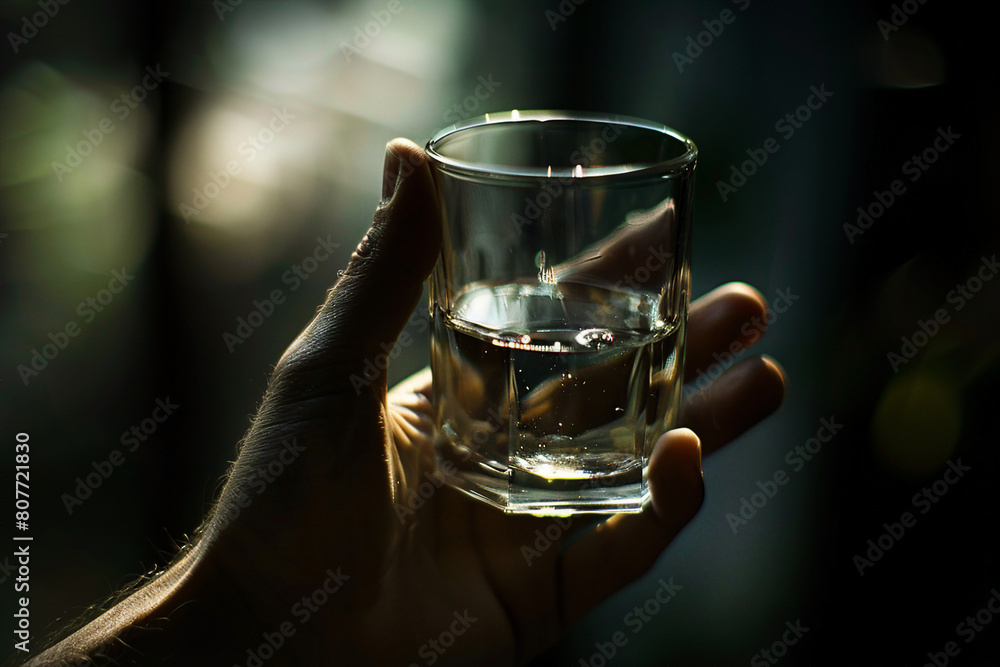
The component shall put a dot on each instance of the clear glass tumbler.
(559, 305)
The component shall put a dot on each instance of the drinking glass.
(558, 306)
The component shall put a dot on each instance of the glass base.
(518, 491)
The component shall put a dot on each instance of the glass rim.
(623, 172)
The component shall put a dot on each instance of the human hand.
(307, 538)
(363, 454)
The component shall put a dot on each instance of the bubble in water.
(513, 338)
(644, 306)
(595, 337)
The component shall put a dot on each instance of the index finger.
(728, 319)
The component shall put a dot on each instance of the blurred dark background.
(151, 108)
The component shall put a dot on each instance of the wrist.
(200, 616)
(190, 614)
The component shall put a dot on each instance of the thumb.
(368, 307)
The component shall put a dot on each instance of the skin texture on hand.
(318, 531)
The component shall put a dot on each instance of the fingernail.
(390, 174)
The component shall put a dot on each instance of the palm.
(343, 505)
(466, 556)
(450, 554)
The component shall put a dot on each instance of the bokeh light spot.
(917, 423)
